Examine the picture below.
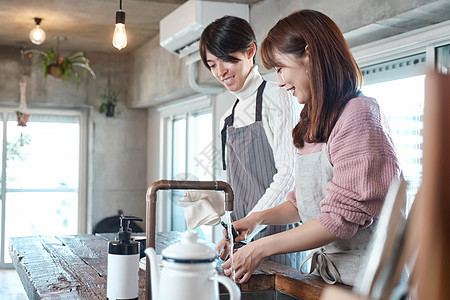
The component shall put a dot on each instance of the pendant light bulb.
(120, 35)
(37, 34)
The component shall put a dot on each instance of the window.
(394, 73)
(443, 59)
(402, 101)
(189, 147)
(40, 175)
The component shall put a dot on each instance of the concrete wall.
(160, 76)
(117, 149)
(360, 21)
(118, 144)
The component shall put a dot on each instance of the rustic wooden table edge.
(75, 267)
(52, 266)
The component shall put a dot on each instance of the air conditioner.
(180, 30)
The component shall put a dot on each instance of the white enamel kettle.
(189, 272)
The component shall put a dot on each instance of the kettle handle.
(154, 274)
(233, 289)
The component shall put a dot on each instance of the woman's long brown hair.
(335, 78)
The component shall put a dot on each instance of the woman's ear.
(251, 51)
(306, 57)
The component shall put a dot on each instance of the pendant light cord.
(120, 4)
(57, 47)
(22, 56)
(109, 71)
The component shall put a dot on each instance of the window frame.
(83, 113)
(409, 43)
(425, 40)
(188, 107)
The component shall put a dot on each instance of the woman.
(345, 161)
(256, 130)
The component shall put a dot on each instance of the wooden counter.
(75, 267)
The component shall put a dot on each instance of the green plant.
(15, 148)
(65, 65)
(109, 101)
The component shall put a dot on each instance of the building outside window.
(394, 73)
(398, 86)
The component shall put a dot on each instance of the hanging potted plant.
(109, 102)
(63, 67)
(22, 118)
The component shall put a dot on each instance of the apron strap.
(259, 99)
(321, 263)
(228, 122)
(230, 119)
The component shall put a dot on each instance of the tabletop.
(75, 267)
(71, 266)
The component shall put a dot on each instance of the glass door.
(40, 177)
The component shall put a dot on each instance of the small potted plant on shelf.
(109, 101)
(63, 67)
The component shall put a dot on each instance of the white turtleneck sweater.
(280, 114)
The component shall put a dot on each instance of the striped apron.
(250, 170)
(341, 260)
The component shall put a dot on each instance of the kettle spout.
(155, 273)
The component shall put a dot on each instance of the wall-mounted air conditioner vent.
(180, 30)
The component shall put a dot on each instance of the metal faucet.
(150, 210)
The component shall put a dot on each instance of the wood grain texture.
(433, 264)
(69, 267)
(75, 267)
(289, 280)
(273, 276)
(49, 269)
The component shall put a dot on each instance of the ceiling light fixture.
(37, 34)
(120, 35)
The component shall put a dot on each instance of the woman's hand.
(244, 227)
(223, 247)
(245, 261)
(285, 213)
